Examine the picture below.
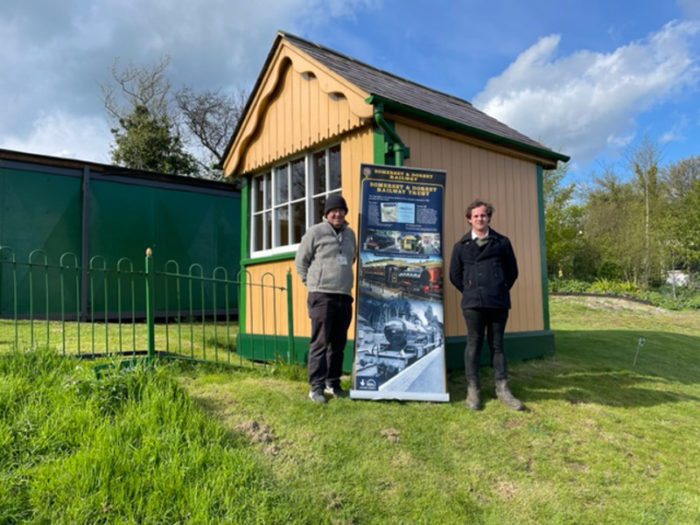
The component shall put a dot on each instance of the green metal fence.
(189, 313)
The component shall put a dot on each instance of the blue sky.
(586, 78)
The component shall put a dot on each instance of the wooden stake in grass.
(640, 344)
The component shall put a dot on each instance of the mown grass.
(190, 339)
(603, 441)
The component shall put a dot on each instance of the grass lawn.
(605, 440)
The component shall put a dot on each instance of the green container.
(105, 217)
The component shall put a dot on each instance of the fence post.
(150, 305)
(290, 318)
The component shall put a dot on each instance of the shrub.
(614, 287)
(662, 296)
(568, 285)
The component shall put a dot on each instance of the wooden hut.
(313, 117)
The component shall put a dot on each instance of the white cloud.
(586, 102)
(55, 55)
(63, 135)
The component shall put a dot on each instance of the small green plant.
(282, 368)
(613, 287)
(568, 285)
(663, 296)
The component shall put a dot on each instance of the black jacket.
(486, 274)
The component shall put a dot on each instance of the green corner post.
(290, 318)
(149, 305)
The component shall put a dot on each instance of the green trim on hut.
(245, 203)
(519, 346)
(543, 247)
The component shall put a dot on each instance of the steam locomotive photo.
(391, 337)
(424, 281)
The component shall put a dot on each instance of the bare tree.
(211, 117)
(645, 160)
(144, 86)
(207, 119)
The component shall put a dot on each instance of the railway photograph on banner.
(400, 351)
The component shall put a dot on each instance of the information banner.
(399, 339)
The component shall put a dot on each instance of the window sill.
(258, 259)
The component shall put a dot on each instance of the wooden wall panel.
(472, 172)
(510, 184)
(298, 116)
(355, 149)
(266, 305)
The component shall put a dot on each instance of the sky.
(589, 79)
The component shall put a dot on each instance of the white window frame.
(271, 209)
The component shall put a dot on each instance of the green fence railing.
(170, 312)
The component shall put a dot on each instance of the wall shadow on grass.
(597, 366)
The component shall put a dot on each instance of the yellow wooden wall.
(300, 107)
(510, 184)
(354, 150)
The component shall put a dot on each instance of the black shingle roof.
(414, 96)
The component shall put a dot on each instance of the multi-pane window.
(290, 197)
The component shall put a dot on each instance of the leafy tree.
(146, 135)
(567, 250)
(681, 217)
(680, 178)
(144, 141)
(614, 225)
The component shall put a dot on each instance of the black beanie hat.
(333, 202)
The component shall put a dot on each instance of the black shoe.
(335, 391)
(473, 400)
(317, 396)
(505, 396)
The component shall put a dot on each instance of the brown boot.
(505, 396)
(473, 396)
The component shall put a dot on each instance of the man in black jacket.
(484, 269)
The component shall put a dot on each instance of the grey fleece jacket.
(324, 258)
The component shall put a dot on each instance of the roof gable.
(364, 85)
(405, 93)
(329, 85)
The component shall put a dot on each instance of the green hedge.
(662, 296)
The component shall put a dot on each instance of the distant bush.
(613, 287)
(568, 285)
(662, 296)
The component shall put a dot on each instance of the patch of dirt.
(391, 434)
(335, 500)
(513, 423)
(258, 433)
(506, 488)
(220, 403)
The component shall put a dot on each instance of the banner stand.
(399, 337)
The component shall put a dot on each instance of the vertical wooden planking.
(511, 185)
(298, 116)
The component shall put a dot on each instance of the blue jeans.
(492, 322)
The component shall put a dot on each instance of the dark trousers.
(491, 321)
(330, 315)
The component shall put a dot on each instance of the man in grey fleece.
(324, 263)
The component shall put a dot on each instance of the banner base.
(399, 396)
